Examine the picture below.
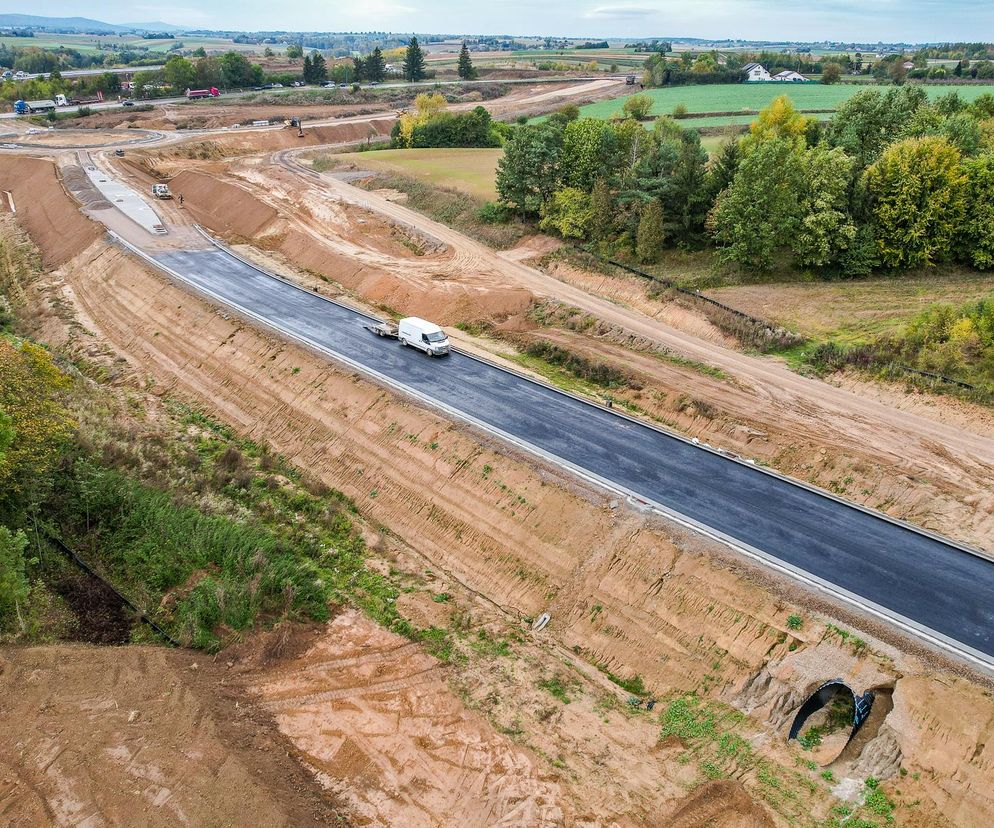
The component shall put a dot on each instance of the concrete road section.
(922, 583)
(124, 198)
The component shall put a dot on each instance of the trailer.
(194, 94)
(388, 329)
(31, 107)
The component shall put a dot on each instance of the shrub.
(680, 111)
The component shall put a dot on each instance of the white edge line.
(913, 628)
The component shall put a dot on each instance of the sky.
(812, 20)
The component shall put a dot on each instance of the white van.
(424, 335)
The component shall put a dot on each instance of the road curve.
(923, 583)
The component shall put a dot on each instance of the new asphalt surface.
(914, 575)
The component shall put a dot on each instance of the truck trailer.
(31, 107)
(193, 94)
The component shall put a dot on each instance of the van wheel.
(403, 342)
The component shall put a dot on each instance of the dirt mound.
(372, 714)
(722, 803)
(140, 736)
(276, 139)
(51, 217)
(223, 207)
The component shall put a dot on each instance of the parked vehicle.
(193, 94)
(630, 80)
(423, 335)
(119, 153)
(128, 102)
(161, 191)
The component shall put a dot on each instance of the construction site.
(605, 662)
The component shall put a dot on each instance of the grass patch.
(557, 688)
(469, 171)
(454, 209)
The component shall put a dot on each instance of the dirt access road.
(916, 443)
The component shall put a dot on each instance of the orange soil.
(373, 717)
(57, 227)
(353, 247)
(140, 735)
(529, 541)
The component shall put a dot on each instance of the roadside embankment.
(51, 218)
(631, 594)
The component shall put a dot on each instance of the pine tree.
(319, 69)
(308, 70)
(414, 62)
(466, 69)
(375, 66)
(650, 236)
(360, 68)
(601, 208)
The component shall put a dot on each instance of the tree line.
(891, 182)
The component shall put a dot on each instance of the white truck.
(161, 191)
(417, 333)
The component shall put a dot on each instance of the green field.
(754, 96)
(469, 170)
(87, 44)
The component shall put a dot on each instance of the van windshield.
(436, 336)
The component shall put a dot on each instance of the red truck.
(193, 94)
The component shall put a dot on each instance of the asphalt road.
(228, 97)
(910, 574)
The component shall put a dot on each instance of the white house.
(789, 77)
(755, 72)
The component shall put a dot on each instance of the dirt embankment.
(276, 139)
(351, 246)
(179, 752)
(629, 593)
(52, 219)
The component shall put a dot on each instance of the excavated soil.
(373, 717)
(51, 218)
(93, 736)
(388, 263)
(631, 594)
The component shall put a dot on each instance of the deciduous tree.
(529, 171)
(916, 197)
(637, 107)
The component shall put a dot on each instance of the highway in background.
(926, 585)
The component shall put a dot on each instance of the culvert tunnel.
(844, 710)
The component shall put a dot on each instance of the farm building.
(756, 72)
(789, 77)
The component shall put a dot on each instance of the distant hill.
(82, 24)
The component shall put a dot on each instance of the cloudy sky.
(888, 20)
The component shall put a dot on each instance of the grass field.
(471, 171)
(851, 313)
(754, 96)
(87, 44)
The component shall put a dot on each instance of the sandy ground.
(374, 718)
(630, 594)
(93, 736)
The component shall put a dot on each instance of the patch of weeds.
(634, 685)
(795, 622)
(488, 646)
(557, 688)
(441, 598)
